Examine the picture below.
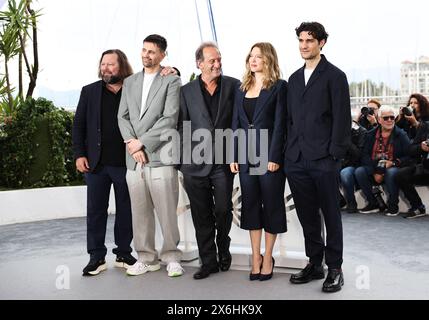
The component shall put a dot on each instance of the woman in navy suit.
(260, 106)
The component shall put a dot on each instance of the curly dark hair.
(423, 105)
(315, 29)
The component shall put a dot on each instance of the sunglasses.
(385, 118)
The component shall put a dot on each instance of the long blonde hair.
(271, 68)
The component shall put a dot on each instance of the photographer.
(418, 173)
(409, 117)
(368, 115)
(385, 149)
(349, 164)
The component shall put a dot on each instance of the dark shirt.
(249, 105)
(211, 101)
(112, 144)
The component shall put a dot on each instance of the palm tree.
(17, 22)
(9, 48)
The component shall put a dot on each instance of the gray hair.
(385, 109)
(199, 55)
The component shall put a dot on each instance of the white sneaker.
(175, 269)
(139, 268)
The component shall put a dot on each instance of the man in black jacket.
(416, 173)
(100, 154)
(318, 133)
(385, 150)
(207, 103)
(99, 151)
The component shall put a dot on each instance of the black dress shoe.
(334, 281)
(204, 272)
(310, 272)
(264, 277)
(225, 261)
(255, 276)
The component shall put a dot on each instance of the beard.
(110, 79)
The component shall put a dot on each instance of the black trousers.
(263, 204)
(98, 191)
(211, 209)
(314, 185)
(406, 178)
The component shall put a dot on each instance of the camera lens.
(408, 111)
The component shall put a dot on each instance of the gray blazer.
(160, 113)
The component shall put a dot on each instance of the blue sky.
(368, 38)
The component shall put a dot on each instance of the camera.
(365, 111)
(381, 165)
(408, 111)
(377, 192)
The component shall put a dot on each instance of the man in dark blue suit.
(318, 132)
(99, 151)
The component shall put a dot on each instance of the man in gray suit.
(150, 106)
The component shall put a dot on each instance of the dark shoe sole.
(206, 276)
(314, 277)
(333, 289)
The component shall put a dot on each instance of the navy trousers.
(314, 185)
(98, 190)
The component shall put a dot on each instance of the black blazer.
(422, 134)
(193, 108)
(354, 151)
(270, 114)
(318, 114)
(87, 124)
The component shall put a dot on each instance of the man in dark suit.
(318, 133)
(99, 151)
(100, 154)
(207, 103)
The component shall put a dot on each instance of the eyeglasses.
(386, 118)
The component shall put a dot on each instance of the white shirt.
(307, 74)
(147, 83)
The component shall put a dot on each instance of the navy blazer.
(401, 145)
(318, 114)
(87, 124)
(194, 109)
(270, 114)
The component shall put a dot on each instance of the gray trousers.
(154, 190)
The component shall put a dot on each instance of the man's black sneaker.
(370, 207)
(94, 267)
(416, 212)
(392, 211)
(125, 260)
